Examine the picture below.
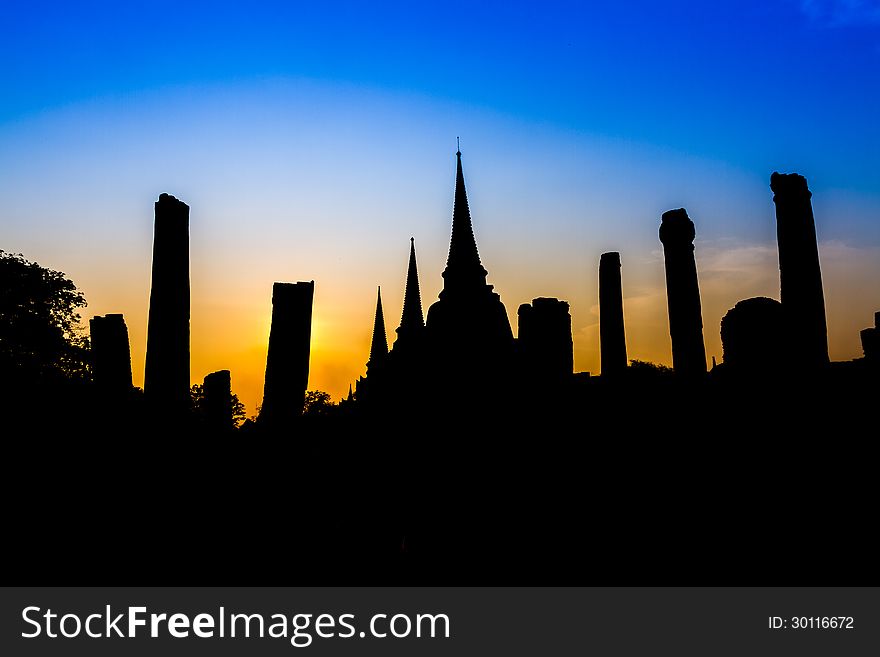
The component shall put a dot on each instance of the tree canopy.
(317, 403)
(41, 339)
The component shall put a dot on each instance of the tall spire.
(412, 319)
(463, 264)
(379, 347)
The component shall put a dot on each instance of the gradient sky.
(311, 140)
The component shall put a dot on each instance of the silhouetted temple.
(544, 342)
(468, 330)
(401, 372)
(287, 361)
(217, 401)
(800, 277)
(612, 337)
(166, 375)
(683, 293)
(111, 353)
(466, 337)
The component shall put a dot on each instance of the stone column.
(683, 294)
(800, 276)
(544, 342)
(217, 401)
(287, 363)
(166, 375)
(612, 338)
(111, 353)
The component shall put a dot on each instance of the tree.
(41, 340)
(197, 397)
(238, 410)
(317, 403)
(648, 371)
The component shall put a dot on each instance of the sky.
(312, 140)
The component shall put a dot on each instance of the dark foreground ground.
(662, 483)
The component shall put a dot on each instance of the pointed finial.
(463, 255)
(379, 346)
(458, 145)
(411, 319)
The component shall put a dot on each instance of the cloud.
(839, 13)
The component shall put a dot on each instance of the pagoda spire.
(463, 265)
(379, 347)
(412, 319)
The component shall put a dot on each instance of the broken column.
(753, 336)
(683, 293)
(612, 338)
(544, 341)
(166, 375)
(287, 362)
(217, 401)
(111, 354)
(800, 276)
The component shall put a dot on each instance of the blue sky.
(312, 139)
(708, 78)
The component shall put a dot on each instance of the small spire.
(458, 145)
(350, 393)
(379, 346)
(412, 319)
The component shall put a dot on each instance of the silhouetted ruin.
(800, 276)
(111, 354)
(871, 341)
(612, 337)
(753, 335)
(683, 294)
(217, 401)
(166, 375)
(544, 342)
(463, 451)
(287, 361)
